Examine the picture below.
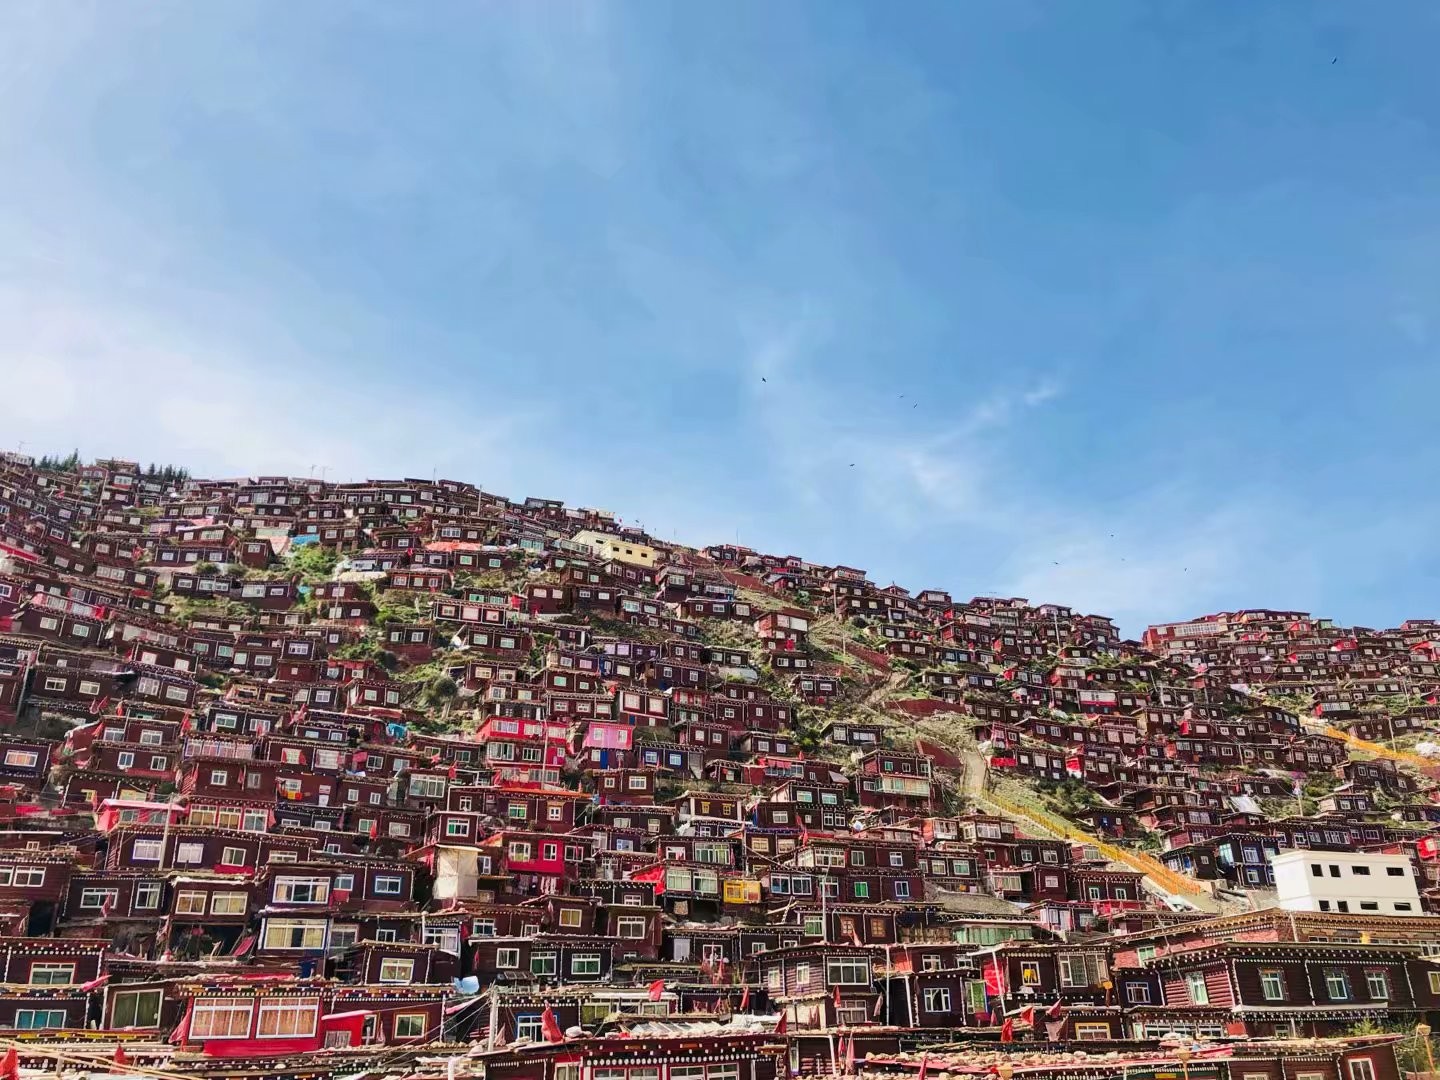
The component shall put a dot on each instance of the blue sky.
(1159, 283)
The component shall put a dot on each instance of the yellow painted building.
(609, 546)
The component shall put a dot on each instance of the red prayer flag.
(1055, 1010)
(550, 1027)
(994, 980)
(181, 1034)
(658, 987)
(1007, 1031)
(745, 999)
(837, 997)
(782, 1027)
(1027, 1015)
(10, 1067)
(121, 1058)
(850, 1056)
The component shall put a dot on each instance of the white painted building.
(1349, 882)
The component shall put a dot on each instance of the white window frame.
(585, 964)
(291, 1019)
(848, 971)
(936, 999)
(54, 974)
(229, 903)
(1196, 988)
(146, 850)
(236, 1016)
(188, 852)
(632, 927)
(397, 969)
(147, 896)
(1272, 979)
(413, 1024)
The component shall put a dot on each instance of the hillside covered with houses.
(409, 778)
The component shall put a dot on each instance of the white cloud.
(122, 383)
(1046, 389)
(1165, 555)
(1135, 556)
(837, 441)
(1088, 571)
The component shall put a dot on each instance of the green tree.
(315, 562)
(439, 693)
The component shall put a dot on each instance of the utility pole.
(825, 909)
(165, 829)
(494, 1014)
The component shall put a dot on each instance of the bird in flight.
(762, 378)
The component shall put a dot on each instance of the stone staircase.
(1025, 810)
